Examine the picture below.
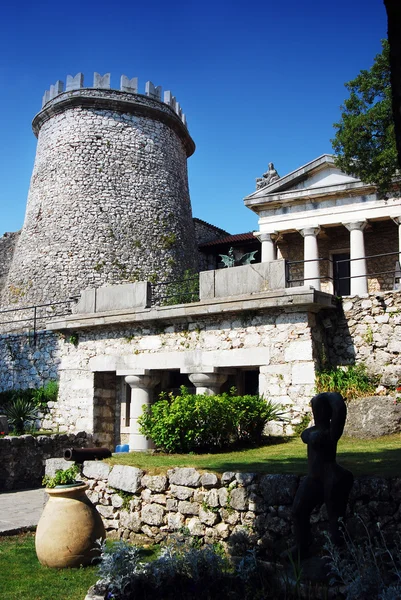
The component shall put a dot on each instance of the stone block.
(129, 85)
(247, 279)
(95, 469)
(373, 417)
(209, 480)
(195, 526)
(208, 517)
(55, 464)
(278, 489)
(153, 514)
(131, 521)
(185, 476)
(295, 351)
(303, 372)
(245, 479)
(181, 492)
(175, 521)
(188, 508)
(239, 499)
(125, 478)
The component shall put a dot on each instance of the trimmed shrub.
(190, 422)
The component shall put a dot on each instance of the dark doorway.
(342, 274)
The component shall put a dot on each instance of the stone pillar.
(207, 383)
(268, 245)
(397, 221)
(141, 393)
(359, 284)
(311, 256)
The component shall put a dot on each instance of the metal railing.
(335, 278)
(32, 318)
(181, 291)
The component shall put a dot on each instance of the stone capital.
(207, 379)
(266, 236)
(142, 381)
(356, 225)
(310, 231)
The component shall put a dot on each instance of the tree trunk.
(393, 8)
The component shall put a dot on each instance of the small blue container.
(122, 448)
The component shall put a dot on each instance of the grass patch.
(381, 456)
(23, 577)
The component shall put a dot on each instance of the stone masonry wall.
(369, 332)
(22, 459)
(284, 342)
(7, 246)
(225, 507)
(289, 347)
(24, 364)
(108, 202)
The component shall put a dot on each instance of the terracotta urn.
(68, 528)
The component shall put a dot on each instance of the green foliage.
(184, 291)
(351, 381)
(61, 477)
(368, 569)
(40, 395)
(126, 498)
(168, 240)
(365, 138)
(21, 412)
(74, 339)
(192, 422)
(182, 571)
(303, 424)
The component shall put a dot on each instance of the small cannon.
(79, 455)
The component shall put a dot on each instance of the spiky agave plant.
(20, 412)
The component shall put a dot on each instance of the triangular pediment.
(319, 173)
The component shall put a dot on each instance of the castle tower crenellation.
(108, 200)
(103, 82)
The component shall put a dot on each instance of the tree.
(365, 139)
(393, 8)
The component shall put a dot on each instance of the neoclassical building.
(335, 232)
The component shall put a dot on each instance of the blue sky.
(258, 81)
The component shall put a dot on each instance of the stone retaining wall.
(22, 458)
(226, 508)
(369, 332)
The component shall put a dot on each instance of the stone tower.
(108, 201)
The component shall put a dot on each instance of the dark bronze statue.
(326, 481)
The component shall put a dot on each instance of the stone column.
(397, 221)
(359, 284)
(141, 393)
(268, 248)
(207, 383)
(311, 256)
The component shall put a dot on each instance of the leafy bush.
(62, 477)
(22, 407)
(40, 396)
(191, 422)
(351, 381)
(180, 572)
(21, 412)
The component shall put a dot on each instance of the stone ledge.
(290, 299)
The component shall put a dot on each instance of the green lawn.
(381, 456)
(23, 578)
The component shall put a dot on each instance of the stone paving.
(20, 510)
